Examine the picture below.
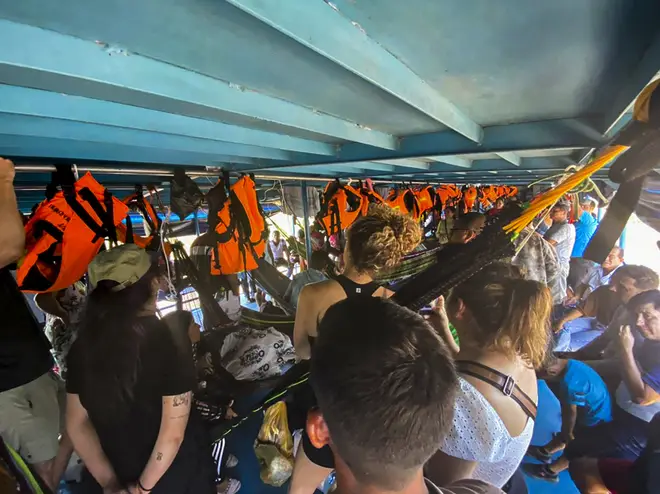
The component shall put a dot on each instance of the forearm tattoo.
(181, 400)
(159, 456)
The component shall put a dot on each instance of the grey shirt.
(564, 235)
(298, 283)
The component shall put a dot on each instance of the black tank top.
(353, 289)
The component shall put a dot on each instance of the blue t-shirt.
(583, 387)
(584, 230)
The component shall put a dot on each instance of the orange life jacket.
(404, 200)
(488, 195)
(65, 232)
(427, 198)
(370, 196)
(239, 225)
(341, 206)
(469, 198)
(449, 195)
(137, 202)
(513, 191)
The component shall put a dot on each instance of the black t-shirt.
(24, 349)
(164, 370)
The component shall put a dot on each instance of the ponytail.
(512, 314)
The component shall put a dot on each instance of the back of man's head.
(469, 221)
(319, 260)
(385, 386)
(645, 278)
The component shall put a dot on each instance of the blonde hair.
(512, 314)
(381, 238)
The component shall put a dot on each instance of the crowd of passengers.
(398, 403)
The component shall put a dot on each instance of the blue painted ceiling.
(423, 90)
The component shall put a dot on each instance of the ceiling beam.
(21, 125)
(319, 27)
(67, 149)
(322, 28)
(39, 103)
(449, 147)
(57, 62)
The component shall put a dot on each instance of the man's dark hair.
(385, 385)
(645, 278)
(467, 221)
(644, 298)
(564, 206)
(619, 251)
(319, 260)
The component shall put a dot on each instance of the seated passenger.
(585, 402)
(385, 400)
(606, 475)
(373, 242)
(627, 282)
(599, 276)
(316, 272)
(501, 320)
(638, 394)
(587, 321)
(129, 388)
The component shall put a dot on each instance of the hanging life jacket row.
(238, 225)
(342, 204)
(66, 231)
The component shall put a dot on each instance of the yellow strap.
(551, 196)
(25, 470)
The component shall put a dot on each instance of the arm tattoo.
(159, 456)
(179, 400)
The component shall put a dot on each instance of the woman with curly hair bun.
(374, 242)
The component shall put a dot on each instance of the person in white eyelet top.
(501, 320)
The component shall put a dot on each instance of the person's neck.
(358, 277)
(345, 486)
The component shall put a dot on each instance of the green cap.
(124, 265)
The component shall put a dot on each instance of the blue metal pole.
(196, 218)
(622, 238)
(308, 237)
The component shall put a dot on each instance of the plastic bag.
(274, 446)
(185, 196)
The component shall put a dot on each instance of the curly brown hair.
(381, 238)
(512, 314)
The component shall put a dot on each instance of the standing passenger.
(30, 413)
(130, 385)
(501, 320)
(385, 385)
(373, 242)
(562, 236)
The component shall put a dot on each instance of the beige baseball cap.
(125, 265)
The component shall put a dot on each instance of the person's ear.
(461, 310)
(317, 429)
